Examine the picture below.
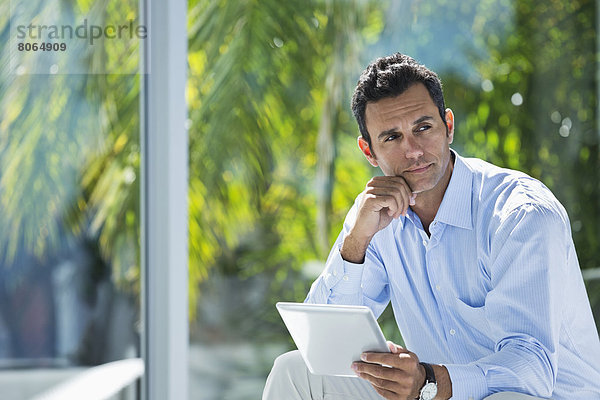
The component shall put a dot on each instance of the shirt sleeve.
(343, 282)
(529, 254)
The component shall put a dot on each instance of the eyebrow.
(415, 122)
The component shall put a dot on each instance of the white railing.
(97, 383)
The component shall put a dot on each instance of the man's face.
(409, 138)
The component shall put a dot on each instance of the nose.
(413, 148)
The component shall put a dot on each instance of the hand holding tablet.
(331, 337)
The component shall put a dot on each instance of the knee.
(288, 378)
(288, 363)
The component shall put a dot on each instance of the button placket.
(436, 288)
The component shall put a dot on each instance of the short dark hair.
(389, 77)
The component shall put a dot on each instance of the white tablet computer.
(330, 337)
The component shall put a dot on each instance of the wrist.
(443, 381)
(354, 248)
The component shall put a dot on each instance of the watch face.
(428, 391)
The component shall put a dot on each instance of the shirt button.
(345, 277)
(452, 331)
(438, 287)
(424, 242)
(334, 273)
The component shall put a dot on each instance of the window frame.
(164, 227)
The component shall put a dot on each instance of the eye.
(423, 128)
(393, 136)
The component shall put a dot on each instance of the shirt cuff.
(343, 277)
(468, 382)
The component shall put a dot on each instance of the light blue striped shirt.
(495, 294)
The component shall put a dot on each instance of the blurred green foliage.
(69, 147)
(268, 88)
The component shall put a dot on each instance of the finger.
(392, 379)
(379, 371)
(395, 186)
(392, 386)
(400, 385)
(405, 195)
(413, 199)
(394, 348)
(377, 199)
(391, 346)
(402, 359)
(389, 182)
(386, 394)
(400, 193)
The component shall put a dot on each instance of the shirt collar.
(455, 208)
(456, 204)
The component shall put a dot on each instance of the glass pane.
(274, 165)
(69, 190)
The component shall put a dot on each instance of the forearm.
(444, 383)
(354, 248)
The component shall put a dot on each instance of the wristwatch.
(429, 390)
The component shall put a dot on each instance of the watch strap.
(429, 374)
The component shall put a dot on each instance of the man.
(478, 262)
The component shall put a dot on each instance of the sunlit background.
(274, 165)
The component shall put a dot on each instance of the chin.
(421, 187)
(421, 190)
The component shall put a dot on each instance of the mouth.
(419, 170)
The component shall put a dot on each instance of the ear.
(450, 124)
(364, 147)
